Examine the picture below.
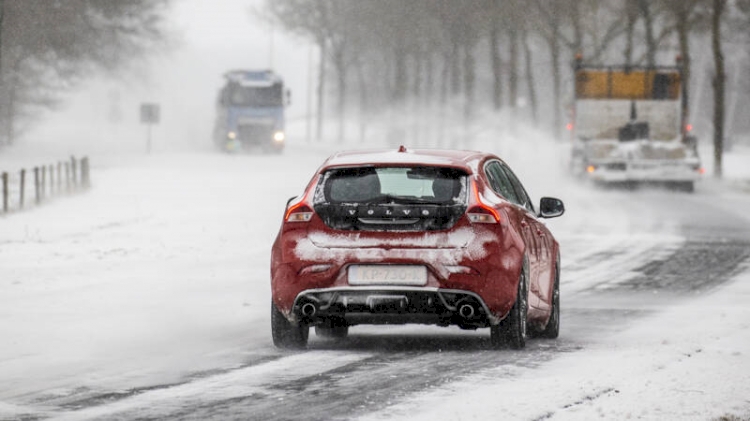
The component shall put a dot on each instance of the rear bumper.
(393, 305)
(644, 172)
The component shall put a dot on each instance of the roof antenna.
(402, 148)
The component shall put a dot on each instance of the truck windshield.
(254, 96)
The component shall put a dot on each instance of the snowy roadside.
(688, 362)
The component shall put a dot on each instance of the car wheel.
(285, 334)
(512, 330)
(332, 329)
(688, 187)
(552, 330)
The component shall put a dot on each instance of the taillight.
(298, 212)
(481, 213)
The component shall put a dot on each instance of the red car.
(438, 237)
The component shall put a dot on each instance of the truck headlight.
(231, 135)
(279, 137)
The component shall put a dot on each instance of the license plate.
(411, 275)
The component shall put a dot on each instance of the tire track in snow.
(247, 383)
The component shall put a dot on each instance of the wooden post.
(23, 187)
(36, 185)
(43, 182)
(51, 180)
(59, 176)
(5, 192)
(67, 177)
(85, 172)
(73, 171)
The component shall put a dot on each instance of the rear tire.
(512, 330)
(287, 335)
(552, 330)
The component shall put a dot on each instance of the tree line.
(50, 46)
(455, 58)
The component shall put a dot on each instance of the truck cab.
(250, 112)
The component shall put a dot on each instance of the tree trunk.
(649, 24)
(364, 107)
(530, 78)
(469, 82)
(631, 13)
(455, 70)
(400, 75)
(497, 92)
(578, 28)
(445, 79)
(513, 67)
(428, 98)
(2, 73)
(341, 76)
(2, 15)
(554, 45)
(321, 89)
(10, 109)
(429, 65)
(718, 82)
(684, 41)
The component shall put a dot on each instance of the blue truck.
(250, 112)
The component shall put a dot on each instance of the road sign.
(149, 116)
(149, 113)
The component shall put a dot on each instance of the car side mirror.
(549, 207)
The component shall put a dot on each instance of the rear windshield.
(370, 185)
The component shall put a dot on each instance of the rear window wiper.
(400, 200)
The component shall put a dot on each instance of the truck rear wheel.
(683, 186)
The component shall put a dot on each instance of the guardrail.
(60, 178)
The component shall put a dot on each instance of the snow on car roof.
(465, 160)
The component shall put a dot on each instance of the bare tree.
(48, 47)
(412, 55)
(310, 20)
(495, 58)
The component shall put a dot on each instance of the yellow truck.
(629, 127)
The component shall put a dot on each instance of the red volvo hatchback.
(438, 237)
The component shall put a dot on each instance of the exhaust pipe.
(309, 309)
(466, 311)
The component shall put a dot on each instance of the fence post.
(43, 182)
(67, 177)
(51, 171)
(5, 192)
(74, 175)
(36, 185)
(23, 187)
(59, 176)
(85, 172)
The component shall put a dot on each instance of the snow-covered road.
(148, 297)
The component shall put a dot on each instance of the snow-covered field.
(161, 271)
